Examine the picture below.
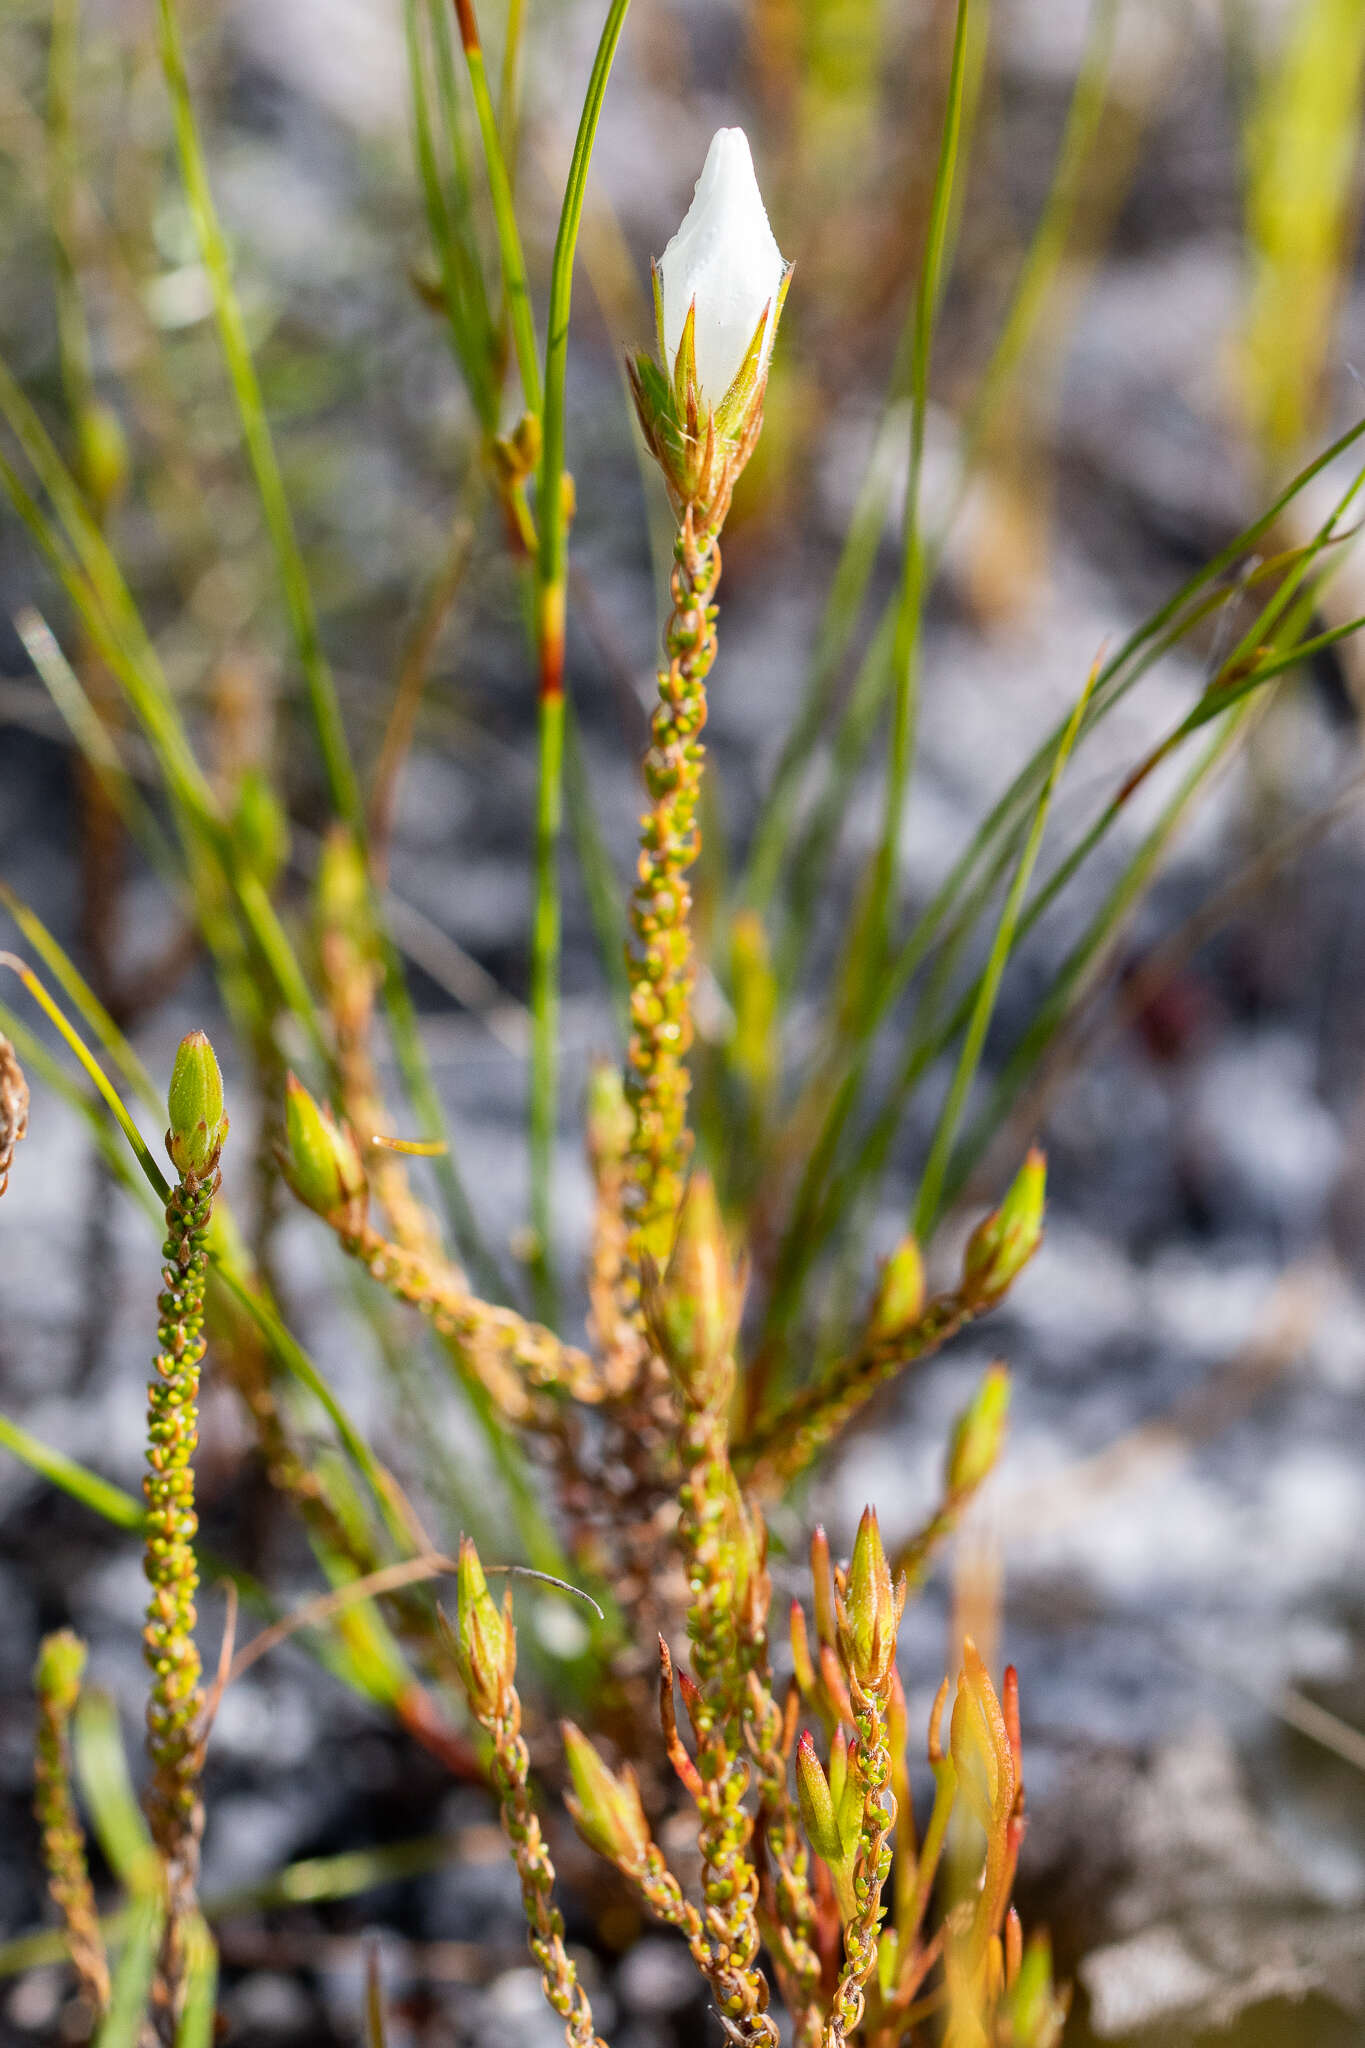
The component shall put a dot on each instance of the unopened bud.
(195, 1103)
(816, 1801)
(485, 1642)
(58, 1672)
(979, 1433)
(694, 1310)
(606, 1806)
(321, 1160)
(1003, 1242)
(722, 272)
(871, 1607)
(899, 1301)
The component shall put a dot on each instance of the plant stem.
(558, 1975)
(870, 1759)
(729, 1880)
(175, 1702)
(662, 967)
(60, 1664)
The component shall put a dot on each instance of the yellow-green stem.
(870, 1758)
(175, 1701)
(558, 1975)
(662, 967)
(58, 1681)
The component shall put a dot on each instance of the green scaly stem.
(175, 1701)
(54, 1805)
(558, 1974)
(729, 1879)
(661, 964)
(870, 1759)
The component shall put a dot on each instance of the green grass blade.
(546, 932)
(910, 600)
(73, 332)
(96, 587)
(260, 447)
(57, 1017)
(123, 2024)
(102, 1770)
(39, 1061)
(510, 254)
(64, 687)
(1085, 959)
(771, 848)
(101, 1496)
(79, 993)
(201, 1987)
(316, 1880)
(552, 511)
(926, 1207)
(1301, 138)
(452, 230)
(551, 577)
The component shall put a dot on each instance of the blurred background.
(1172, 1549)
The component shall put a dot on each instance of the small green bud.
(195, 1101)
(608, 1115)
(979, 1433)
(871, 1607)
(260, 830)
(606, 1806)
(816, 1801)
(486, 1642)
(1003, 1242)
(59, 1670)
(321, 1161)
(103, 455)
(694, 1310)
(899, 1300)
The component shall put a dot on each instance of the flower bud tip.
(195, 1105)
(321, 1160)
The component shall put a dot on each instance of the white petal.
(723, 256)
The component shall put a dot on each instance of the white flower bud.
(725, 259)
